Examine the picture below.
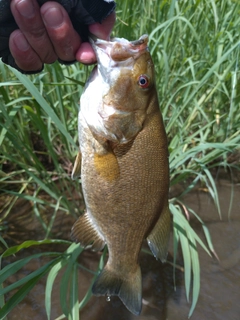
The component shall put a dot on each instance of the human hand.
(85, 53)
(46, 34)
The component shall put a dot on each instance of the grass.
(195, 47)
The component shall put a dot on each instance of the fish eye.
(143, 81)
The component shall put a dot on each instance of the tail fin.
(128, 289)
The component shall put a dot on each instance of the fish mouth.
(143, 40)
(118, 49)
(115, 52)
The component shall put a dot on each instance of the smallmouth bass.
(124, 167)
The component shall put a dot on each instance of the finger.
(104, 29)
(86, 54)
(63, 36)
(28, 18)
(24, 56)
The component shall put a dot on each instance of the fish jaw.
(111, 54)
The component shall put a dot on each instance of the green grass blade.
(18, 297)
(187, 260)
(27, 244)
(34, 274)
(175, 245)
(183, 222)
(42, 102)
(196, 273)
(73, 295)
(14, 267)
(49, 284)
(74, 250)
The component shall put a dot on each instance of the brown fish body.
(124, 170)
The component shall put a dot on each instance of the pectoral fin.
(105, 161)
(107, 166)
(77, 166)
(84, 232)
(158, 239)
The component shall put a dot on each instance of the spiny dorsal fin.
(158, 239)
(129, 288)
(84, 232)
(76, 172)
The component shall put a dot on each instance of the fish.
(124, 167)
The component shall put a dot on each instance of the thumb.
(104, 29)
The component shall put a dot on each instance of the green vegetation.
(195, 47)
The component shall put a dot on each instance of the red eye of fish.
(143, 81)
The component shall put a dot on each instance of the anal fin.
(128, 289)
(158, 239)
(84, 232)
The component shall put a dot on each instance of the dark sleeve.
(81, 12)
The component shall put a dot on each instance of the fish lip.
(142, 40)
(102, 49)
(95, 40)
(96, 45)
(107, 47)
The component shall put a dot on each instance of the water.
(220, 282)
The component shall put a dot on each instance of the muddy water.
(220, 282)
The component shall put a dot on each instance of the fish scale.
(124, 167)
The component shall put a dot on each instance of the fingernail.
(53, 17)
(21, 42)
(26, 8)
